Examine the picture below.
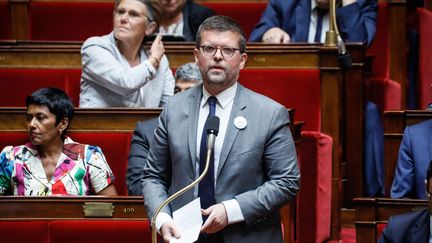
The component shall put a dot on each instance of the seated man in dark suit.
(298, 21)
(411, 227)
(186, 76)
(415, 152)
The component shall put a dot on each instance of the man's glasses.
(210, 51)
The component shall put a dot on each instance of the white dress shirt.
(313, 24)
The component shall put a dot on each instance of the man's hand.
(169, 230)
(216, 220)
(276, 35)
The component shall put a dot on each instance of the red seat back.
(293, 88)
(314, 197)
(380, 48)
(24, 231)
(247, 14)
(72, 21)
(424, 87)
(5, 20)
(99, 231)
(18, 83)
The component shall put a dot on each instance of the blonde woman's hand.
(157, 50)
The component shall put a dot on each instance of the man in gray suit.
(255, 163)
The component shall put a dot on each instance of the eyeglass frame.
(219, 48)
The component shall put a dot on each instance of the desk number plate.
(97, 209)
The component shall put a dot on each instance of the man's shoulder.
(424, 128)
(404, 220)
(258, 99)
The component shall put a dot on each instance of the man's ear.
(151, 28)
(196, 52)
(243, 60)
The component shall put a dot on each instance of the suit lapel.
(303, 13)
(238, 109)
(192, 117)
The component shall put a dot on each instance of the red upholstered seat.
(293, 88)
(5, 20)
(424, 87)
(247, 14)
(379, 229)
(314, 197)
(18, 83)
(72, 21)
(99, 231)
(385, 93)
(24, 231)
(380, 89)
(380, 47)
(115, 146)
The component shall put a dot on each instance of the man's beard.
(216, 78)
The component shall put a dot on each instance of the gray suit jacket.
(257, 167)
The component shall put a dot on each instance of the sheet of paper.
(189, 221)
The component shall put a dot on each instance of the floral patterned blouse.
(81, 170)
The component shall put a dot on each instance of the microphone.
(212, 125)
(344, 57)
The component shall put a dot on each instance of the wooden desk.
(394, 126)
(56, 208)
(371, 211)
(85, 119)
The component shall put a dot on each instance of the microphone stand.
(210, 140)
(333, 38)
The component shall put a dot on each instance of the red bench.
(424, 87)
(301, 88)
(380, 88)
(18, 83)
(73, 21)
(247, 14)
(76, 21)
(64, 231)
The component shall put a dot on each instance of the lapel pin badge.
(240, 122)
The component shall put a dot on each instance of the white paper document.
(188, 220)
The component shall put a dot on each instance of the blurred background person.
(187, 76)
(414, 226)
(118, 71)
(415, 153)
(52, 163)
(308, 20)
(182, 18)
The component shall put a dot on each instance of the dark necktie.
(206, 186)
(320, 15)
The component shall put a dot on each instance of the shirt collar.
(224, 98)
(313, 4)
